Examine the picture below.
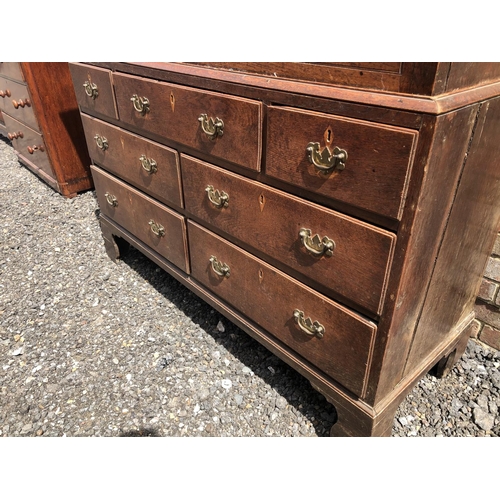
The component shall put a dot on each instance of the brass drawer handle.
(219, 199)
(111, 199)
(141, 104)
(15, 135)
(307, 325)
(148, 164)
(5, 93)
(91, 89)
(220, 268)
(326, 160)
(316, 245)
(102, 142)
(22, 103)
(157, 229)
(32, 149)
(213, 128)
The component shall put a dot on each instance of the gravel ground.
(93, 348)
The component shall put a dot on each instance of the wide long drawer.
(216, 124)
(157, 226)
(11, 70)
(359, 163)
(325, 333)
(28, 143)
(151, 167)
(349, 257)
(17, 103)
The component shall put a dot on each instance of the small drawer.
(11, 70)
(28, 143)
(147, 165)
(93, 89)
(328, 335)
(215, 124)
(349, 257)
(157, 226)
(16, 101)
(368, 166)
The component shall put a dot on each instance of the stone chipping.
(89, 347)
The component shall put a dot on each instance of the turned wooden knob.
(32, 149)
(22, 103)
(15, 135)
(5, 93)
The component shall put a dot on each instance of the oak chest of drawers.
(39, 114)
(341, 214)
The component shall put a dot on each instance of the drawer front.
(93, 89)
(147, 165)
(11, 70)
(142, 216)
(18, 104)
(372, 177)
(270, 298)
(28, 143)
(173, 112)
(354, 265)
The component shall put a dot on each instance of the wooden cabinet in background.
(342, 214)
(39, 114)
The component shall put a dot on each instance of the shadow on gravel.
(284, 380)
(142, 432)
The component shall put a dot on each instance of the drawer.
(147, 165)
(160, 228)
(93, 89)
(11, 70)
(354, 265)
(18, 103)
(373, 176)
(272, 299)
(28, 143)
(174, 112)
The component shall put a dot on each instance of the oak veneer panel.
(122, 158)
(269, 297)
(378, 163)
(134, 211)
(270, 221)
(174, 112)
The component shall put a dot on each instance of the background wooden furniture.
(39, 114)
(341, 214)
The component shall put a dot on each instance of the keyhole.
(328, 136)
(262, 201)
(261, 275)
(172, 101)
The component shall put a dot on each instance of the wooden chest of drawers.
(39, 114)
(341, 214)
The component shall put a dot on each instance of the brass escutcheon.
(220, 268)
(316, 245)
(325, 160)
(157, 229)
(141, 104)
(111, 199)
(148, 164)
(219, 199)
(91, 89)
(307, 325)
(213, 128)
(102, 142)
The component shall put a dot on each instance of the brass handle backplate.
(148, 164)
(15, 135)
(220, 268)
(157, 229)
(91, 89)
(102, 142)
(218, 198)
(32, 149)
(21, 103)
(316, 245)
(5, 93)
(307, 325)
(141, 104)
(111, 199)
(213, 128)
(326, 160)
